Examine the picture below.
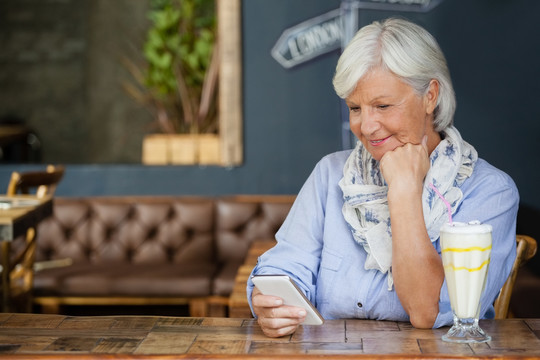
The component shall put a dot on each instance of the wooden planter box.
(181, 149)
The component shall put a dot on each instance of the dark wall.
(284, 133)
(291, 117)
(61, 73)
(493, 48)
(43, 71)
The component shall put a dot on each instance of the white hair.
(405, 49)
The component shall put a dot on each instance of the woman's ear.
(432, 96)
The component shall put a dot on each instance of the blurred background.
(61, 76)
(63, 70)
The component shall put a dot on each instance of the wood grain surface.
(39, 336)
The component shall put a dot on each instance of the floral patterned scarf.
(365, 205)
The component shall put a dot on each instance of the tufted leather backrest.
(242, 219)
(128, 229)
(144, 229)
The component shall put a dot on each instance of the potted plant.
(179, 82)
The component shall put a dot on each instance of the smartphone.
(284, 287)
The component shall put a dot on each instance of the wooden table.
(35, 336)
(27, 211)
(16, 220)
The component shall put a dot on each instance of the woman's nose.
(368, 123)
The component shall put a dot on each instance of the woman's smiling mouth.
(379, 142)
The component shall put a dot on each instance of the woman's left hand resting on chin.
(405, 168)
(274, 318)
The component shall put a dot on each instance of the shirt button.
(359, 304)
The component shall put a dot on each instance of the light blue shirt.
(315, 246)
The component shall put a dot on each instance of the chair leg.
(29, 275)
(198, 307)
(50, 308)
(21, 276)
(217, 310)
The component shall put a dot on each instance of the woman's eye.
(382, 107)
(354, 108)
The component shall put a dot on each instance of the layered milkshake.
(466, 250)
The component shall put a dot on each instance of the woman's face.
(386, 113)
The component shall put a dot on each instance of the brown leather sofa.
(141, 250)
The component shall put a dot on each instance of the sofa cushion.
(123, 279)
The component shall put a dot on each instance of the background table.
(34, 336)
(14, 222)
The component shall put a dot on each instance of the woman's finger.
(279, 326)
(283, 312)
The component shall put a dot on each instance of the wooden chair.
(17, 281)
(526, 248)
(43, 182)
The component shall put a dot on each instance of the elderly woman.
(362, 238)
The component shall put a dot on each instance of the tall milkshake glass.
(466, 250)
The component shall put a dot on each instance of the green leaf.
(154, 39)
(182, 34)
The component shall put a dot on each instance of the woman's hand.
(405, 167)
(416, 266)
(275, 318)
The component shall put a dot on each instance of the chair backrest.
(43, 182)
(526, 249)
